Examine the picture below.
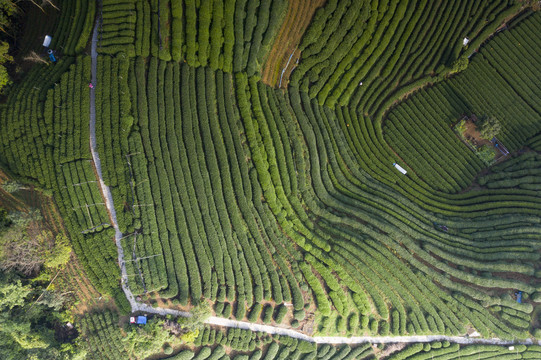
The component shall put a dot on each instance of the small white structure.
(47, 41)
(400, 168)
(465, 41)
(511, 348)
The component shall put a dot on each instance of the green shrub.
(167, 350)
(253, 316)
(204, 353)
(227, 310)
(353, 322)
(280, 313)
(183, 355)
(384, 328)
(341, 324)
(267, 314)
(305, 347)
(219, 308)
(374, 326)
(299, 314)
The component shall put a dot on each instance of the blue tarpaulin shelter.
(141, 320)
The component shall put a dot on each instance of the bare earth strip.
(299, 14)
(137, 306)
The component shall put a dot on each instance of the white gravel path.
(106, 192)
(137, 306)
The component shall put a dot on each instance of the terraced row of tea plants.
(359, 53)
(74, 26)
(284, 205)
(227, 35)
(496, 84)
(448, 351)
(351, 228)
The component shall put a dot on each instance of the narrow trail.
(213, 320)
(106, 192)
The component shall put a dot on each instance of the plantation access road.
(213, 320)
(106, 192)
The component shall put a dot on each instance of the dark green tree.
(8, 8)
(5, 221)
(488, 127)
(141, 342)
(17, 330)
(27, 326)
(460, 64)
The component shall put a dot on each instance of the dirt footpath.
(299, 14)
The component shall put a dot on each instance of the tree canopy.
(488, 127)
(4, 219)
(28, 316)
(142, 342)
(24, 329)
(7, 10)
(30, 255)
